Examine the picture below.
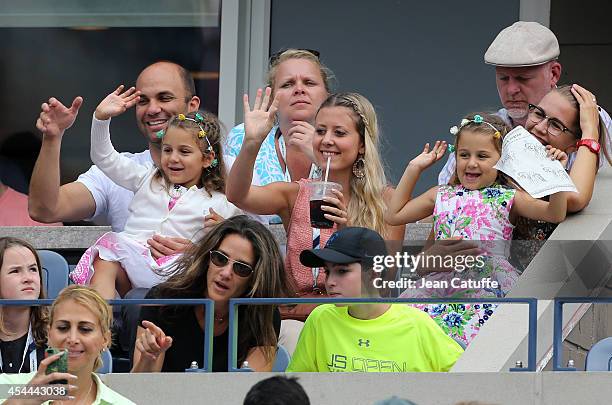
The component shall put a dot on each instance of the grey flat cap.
(523, 44)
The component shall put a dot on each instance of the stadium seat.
(282, 359)
(107, 363)
(54, 272)
(599, 357)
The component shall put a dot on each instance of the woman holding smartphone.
(79, 325)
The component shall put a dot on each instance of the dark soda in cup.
(317, 215)
(319, 190)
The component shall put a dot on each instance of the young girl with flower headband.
(174, 199)
(481, 205)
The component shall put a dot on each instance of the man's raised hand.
(55, 117)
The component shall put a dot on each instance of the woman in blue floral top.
(301, 83)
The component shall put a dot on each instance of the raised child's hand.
(557, 154)
(55, 117)
(259, 121)
(427, 157)
(117, 102)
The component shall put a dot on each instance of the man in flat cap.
(526, 69)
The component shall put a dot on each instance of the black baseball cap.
(348, 245)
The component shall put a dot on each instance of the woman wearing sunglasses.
(237, 258)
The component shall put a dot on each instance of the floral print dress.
(479, 215)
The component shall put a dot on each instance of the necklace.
(81, 402)
(177, 190)
(219, 318)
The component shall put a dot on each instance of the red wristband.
(593, 145)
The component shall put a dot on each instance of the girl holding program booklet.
(482, 206)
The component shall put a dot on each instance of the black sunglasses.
(274, 57)
(219, 259)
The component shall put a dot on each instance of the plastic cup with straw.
(319, 190)
(326, 174)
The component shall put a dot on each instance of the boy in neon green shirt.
(365, 337)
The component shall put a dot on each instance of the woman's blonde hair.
(326, 74)
(91, 300)
(366, 207)
(39, 315)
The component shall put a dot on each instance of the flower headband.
(199, 120)
(477, 120)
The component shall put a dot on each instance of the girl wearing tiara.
(480, 205)
(173, 199)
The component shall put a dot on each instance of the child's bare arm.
(402, 208)
(415, 209)
(553, 210)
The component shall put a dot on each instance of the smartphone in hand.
(60, 365)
